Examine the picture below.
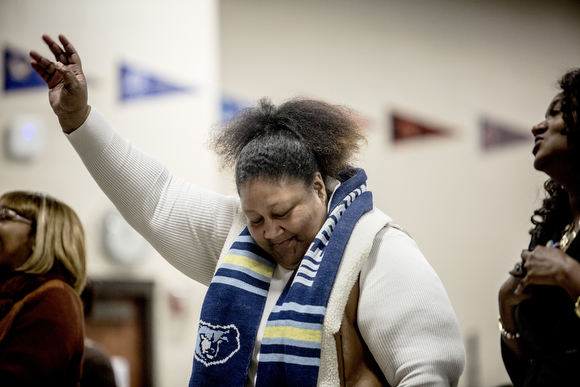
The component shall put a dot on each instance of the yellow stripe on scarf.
(249, 263)
(293, 333)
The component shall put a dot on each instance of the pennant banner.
(230, 106)
(405, 128)
(494, 135)
(18, 74)
(136, 84)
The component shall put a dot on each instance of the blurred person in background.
(540, 301)
(309, 284)
(42, 272)
(97, 368)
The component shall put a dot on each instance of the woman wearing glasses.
(42, 272)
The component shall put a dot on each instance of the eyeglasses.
(7, 213)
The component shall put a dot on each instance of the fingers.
(520, 288)
(59, 54)
(43, 66)
(67, 54)
(512, 293)
(523, 284)
(71, 52)
(525, 255)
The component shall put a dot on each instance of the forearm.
(179, 219)
(510, 335)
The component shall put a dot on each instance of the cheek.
(314, 222)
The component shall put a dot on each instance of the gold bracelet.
(577, 307)
(510, 335)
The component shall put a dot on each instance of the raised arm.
(186, 225)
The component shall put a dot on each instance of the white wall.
(175, 39)
(448, 62)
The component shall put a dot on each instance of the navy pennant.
(18, 74)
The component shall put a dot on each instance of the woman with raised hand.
(540, 301)
(309, 283)
(42, 273)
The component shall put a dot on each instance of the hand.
(68, 94)
(508, 298)
(549, 266)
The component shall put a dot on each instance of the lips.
(537, 144)
(283, 243)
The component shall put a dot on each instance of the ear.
(319, 186)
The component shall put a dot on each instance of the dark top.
(550, 335)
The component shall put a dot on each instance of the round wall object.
(122, 244)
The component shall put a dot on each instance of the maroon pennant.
(405, 128)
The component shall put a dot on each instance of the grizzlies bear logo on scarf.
(233, 307)
(216, 344)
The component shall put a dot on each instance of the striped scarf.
(233, 306)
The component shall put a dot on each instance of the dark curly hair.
(291, 141)
(556, 213)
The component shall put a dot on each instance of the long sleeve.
(184, 223)
(406, 317)
(45, 341)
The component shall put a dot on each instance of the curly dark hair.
(291, 141)
(556, 213)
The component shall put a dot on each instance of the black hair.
(291, 141)
(570, 86)
(555, 212)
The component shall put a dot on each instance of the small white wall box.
(25, 138)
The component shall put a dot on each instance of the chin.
(289, 263)
(538, 164)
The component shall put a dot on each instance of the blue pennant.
(230, 106)
(137, 84)
(18, 74)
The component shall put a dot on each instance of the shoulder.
(54, 304)
(55, 292)
(395, 258)
(392, 241)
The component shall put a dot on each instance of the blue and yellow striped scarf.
(233, 306)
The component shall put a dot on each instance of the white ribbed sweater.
(404, 313)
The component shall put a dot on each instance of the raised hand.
(68, 94)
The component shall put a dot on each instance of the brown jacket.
(356, 364)
(42, 338)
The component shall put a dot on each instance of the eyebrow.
(270, 207)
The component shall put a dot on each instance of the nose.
(272, 229)
(540, 127)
